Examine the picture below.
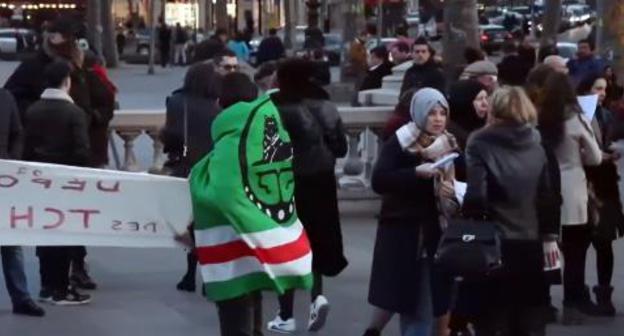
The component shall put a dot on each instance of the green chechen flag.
(247, 233)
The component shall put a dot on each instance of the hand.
(185, 239)
(427, 171)
(613, 156)
(447, 190)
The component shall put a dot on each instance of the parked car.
(493, 37)
(566, 49)
(333, 48)
(16, 40)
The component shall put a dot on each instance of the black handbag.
(178, 165)
(470, 248)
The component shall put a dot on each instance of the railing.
(363, 126)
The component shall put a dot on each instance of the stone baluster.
(374, 152)
(158, 158)
(130, 161)
(353, 166)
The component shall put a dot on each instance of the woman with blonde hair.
(508, 182)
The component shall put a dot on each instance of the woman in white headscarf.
(416, 200)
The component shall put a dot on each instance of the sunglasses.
(229, 67)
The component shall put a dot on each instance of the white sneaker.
(318, 313)
(283, 327)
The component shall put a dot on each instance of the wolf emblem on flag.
(247, 233)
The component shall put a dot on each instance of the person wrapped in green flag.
(247, 234)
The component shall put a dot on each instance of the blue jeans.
(14, 276)
(420, 322)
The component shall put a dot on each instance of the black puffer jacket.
(425, 75)
(316, 131)
(508, 179)
(11, 134)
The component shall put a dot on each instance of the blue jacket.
(580, 68)
(240, 49)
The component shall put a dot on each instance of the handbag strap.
(185, 144)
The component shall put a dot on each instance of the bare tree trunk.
(94, 25)
(461, 27)
(208, 16)
(550, 22)
(288, 24)
(223, 20)
(353, 18)
(109, 44)
(153, 8)
(610, 39)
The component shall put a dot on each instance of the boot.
(572, 316)
(80, 278)
(603, 297)
(188, 280)
(586, 305)
(372, 332)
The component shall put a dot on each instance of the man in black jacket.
(425, 72)
(379, 67)
(27, 84)
(270, 49)
(11, 142)
(57, 132)
(208, 49)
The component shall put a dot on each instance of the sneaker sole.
(70, 303)
(319, 323)
(45, 300)
(279, 331)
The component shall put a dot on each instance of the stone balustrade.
(362, 124)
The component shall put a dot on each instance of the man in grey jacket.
(11, 143)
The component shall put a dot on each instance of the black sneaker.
(82, 280)
(71, 297)
(45, 295)
(28, 308)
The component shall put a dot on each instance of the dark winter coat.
(316, 130)
(374, 78)
(200, 113)
(56, 132)
(270, 49)
(425, 75)
(207, 49)
(11, 133)
(508, 180)
(513, 70)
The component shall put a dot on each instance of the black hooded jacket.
(424, 75)
(508, 180)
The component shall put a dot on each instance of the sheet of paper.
(460, 191)
(588, 105)
(446, 159)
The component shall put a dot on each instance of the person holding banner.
(11, 143)
(57, 132)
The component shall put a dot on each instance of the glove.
(426, 170)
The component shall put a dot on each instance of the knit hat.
(480, 68)
(423, 101)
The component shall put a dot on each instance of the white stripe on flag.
(248, 265)
(265, 239)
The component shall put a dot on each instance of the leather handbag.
(470, 248)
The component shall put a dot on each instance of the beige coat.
(577, 149)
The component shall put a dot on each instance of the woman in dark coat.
(318, 138)
(410, 220)
(508, 181)
(603, 181)
(186, 135)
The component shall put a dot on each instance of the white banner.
(45, 204)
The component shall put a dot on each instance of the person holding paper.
(564, 125)
(608, 225)
(416, 198)
(508, 182)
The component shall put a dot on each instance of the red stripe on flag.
(238, 249)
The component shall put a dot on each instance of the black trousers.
(77, 257)
(604, 260)
(575, 242)
(241, 316)
(54, 267)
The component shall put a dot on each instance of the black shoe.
(186, 284)
(70, 297)
(605, 306)
(82, 280)
(372, 332)
(28, 308)
(45, 295)
(550, 314)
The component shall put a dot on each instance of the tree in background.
(101, 30)
(550, 22)
(461, 30)
(610, 32)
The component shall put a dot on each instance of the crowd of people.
(537, 169)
